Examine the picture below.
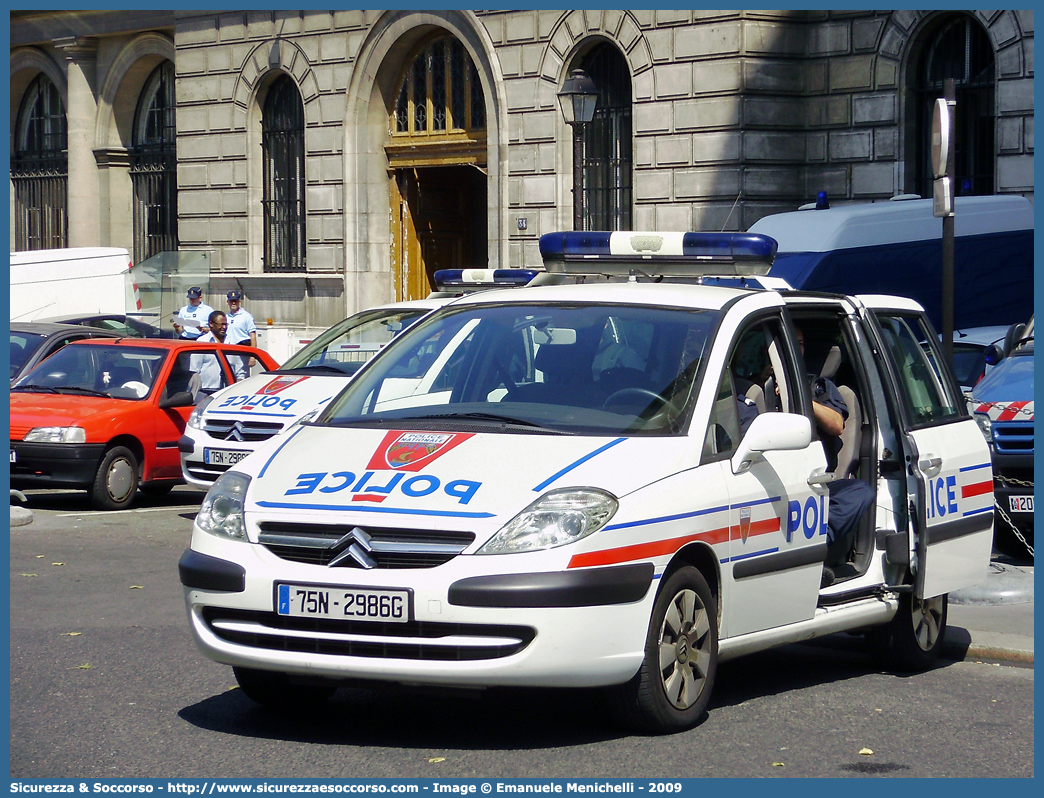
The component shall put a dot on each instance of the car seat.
(122, 375)
(181, 380)
(851, 437)
(566, 382)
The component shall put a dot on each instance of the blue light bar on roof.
(674, 253)
(474, 279)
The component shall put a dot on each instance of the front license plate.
(1021, 504)
(343, 603)
(14, 457)
(227, 457)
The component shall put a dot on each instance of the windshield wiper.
(78, 390)
(38, 388)
(475, 416)
(316, 367)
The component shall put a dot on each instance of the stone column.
(115, 198)
(81, 110)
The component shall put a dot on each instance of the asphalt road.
(106, 682)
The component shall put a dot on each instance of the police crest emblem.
(411, 451)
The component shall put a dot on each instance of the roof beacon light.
(479, 279)
(668, 254)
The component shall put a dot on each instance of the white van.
(58, 282)
(555, 487)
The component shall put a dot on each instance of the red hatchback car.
(106, 415)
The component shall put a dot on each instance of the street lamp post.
(577, 99)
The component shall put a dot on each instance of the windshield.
(23, 345)
(346, 346)
(120, 372)
(590, 369)
(969, 363)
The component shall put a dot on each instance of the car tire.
(277, 691)
(116, 480)
(912, 640)
(671, 690)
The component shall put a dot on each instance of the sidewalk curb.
(998, 655)
(960, 645)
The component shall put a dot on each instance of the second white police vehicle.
(228, 425)
(552, 487)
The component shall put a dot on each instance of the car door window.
(212, 374)
(759, 378)
(925, 390)
(723, 431)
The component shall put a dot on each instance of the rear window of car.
(22, 347)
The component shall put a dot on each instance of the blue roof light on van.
(668, 253)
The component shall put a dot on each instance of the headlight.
(555, 519)
(195, 419)
(985, 426)
(221, 512)
(56, 435)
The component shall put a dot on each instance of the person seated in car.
(850, 497)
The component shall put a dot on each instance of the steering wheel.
(644, 393)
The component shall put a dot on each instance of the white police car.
(552, 487)
(227, 426)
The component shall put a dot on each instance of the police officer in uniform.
(194, 311)
(241, 327)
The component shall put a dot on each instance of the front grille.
(347, 546)
(237, 430)
(1013, 437)
(448, 642)
(206, 473)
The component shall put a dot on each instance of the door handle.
(930, 465)
(819, 480)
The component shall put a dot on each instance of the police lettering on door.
(942, 496)
(811, 517)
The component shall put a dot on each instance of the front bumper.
(1013, 476)
(54, 465)
(476, 620)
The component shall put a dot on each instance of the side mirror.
(994, 355)
(771, 432)
(179, 399)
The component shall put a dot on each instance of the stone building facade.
(716, 119)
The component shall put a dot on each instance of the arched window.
(40, 169)
(282, 146)
(958, 48)
(154, 167)
(439, 93)
(608, 155)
